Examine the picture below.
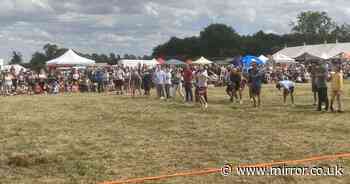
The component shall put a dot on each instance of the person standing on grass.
(167, 84)
(255, 80)
(42, 80)
(177, 83)
(8, 83)
(147, 81)
(119, 80)
(288, 89)
(99, 80)
(188, 77)
(337, 85)
(127, 75)
(322, 89)
(159, 81)
(135, 82)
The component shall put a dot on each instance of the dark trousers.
(322, 98)
(189, 92)
(167, 90)
(160, 90)
(100, 87)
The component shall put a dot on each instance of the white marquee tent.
(280, 58)
(71, 58)
(202, 61)
(324, 51)
(135, 63)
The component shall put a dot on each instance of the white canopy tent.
(283, 59)
(71, 58)
(263, 58)
(135, 63)
(202, 61)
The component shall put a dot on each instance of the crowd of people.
(189, 82)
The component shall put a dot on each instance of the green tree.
(52, 51)
(103, 58)
(313, 23)
(341, 33)
(112, 60)
(16, 58)
(38, 61)
(219, 40)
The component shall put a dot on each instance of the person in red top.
(188, 77)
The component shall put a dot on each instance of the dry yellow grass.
(89, 138)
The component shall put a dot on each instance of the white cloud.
(152, 9)
(114, 38)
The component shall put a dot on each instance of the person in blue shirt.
(99, 80)
(255, 78)
(288, 89)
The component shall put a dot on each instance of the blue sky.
(137, 26)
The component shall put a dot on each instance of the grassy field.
(90, 138)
